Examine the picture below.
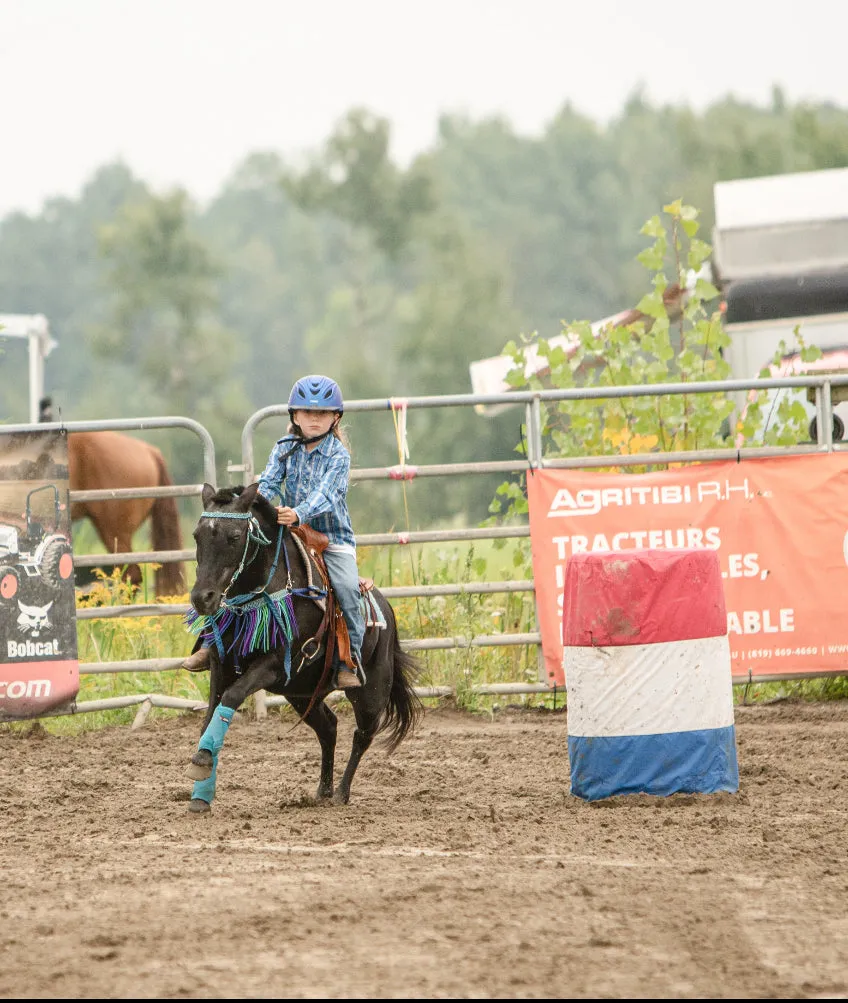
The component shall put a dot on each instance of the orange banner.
(780, 527)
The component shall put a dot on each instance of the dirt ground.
(461, 868)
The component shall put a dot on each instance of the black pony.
(252, 603)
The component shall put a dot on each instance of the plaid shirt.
(315, 485)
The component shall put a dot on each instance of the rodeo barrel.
(647, 673)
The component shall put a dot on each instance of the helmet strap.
(315, 438)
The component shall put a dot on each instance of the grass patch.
(467, 616)
(809, 690)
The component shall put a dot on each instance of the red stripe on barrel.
(642, 597)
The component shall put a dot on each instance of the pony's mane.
(265, 508)
(226, 496)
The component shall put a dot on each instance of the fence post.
(260, 706)
(534, 459)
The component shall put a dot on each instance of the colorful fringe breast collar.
(259, 620)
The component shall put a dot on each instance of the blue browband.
(254, 532)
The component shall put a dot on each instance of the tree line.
(391, 278)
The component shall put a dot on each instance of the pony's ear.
(207, 495)
(246, 498)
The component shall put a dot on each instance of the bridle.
(256, 536)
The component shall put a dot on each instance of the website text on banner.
(39, 670)
(780, 527)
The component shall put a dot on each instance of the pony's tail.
(404, 709)
(165, 521)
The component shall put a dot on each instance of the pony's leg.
(369, 704)
(367, 723)
(211, 742)
(204, 763)
(386, 691)
(216, 686)
(324, 723)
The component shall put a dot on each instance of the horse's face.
(221, 546)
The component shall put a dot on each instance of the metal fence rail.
(423, 644)
(390, 592)
(532, 401)
(133, 425)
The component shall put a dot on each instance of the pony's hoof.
(197, 806)
(201, 765)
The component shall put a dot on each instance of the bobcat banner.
(39, 670)
(780, 527)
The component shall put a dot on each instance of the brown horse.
(98, 460)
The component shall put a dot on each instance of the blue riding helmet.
(316, 393)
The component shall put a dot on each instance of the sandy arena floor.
(461, 868)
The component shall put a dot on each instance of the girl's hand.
(286, 516)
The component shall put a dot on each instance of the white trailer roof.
(809, 197)
(790, 224)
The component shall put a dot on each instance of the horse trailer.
(780, 256)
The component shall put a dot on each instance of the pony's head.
(235, 525)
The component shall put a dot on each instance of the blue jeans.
(344, 574)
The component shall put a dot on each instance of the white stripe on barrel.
(647, 672)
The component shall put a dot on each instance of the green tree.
(278, 265)
(354, 179)
(50, 264)
(393, 277)
(674, 337)
(564, 209)
(162, 328)
(416, 300)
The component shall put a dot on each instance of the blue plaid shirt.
(313, 484)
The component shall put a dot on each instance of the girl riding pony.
(308, 469)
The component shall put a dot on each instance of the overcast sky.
(182, 90)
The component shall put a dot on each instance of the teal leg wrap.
(204, 790)
(212, 740)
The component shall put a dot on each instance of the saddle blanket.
(371, 612)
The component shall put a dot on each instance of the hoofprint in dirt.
(461, 868)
